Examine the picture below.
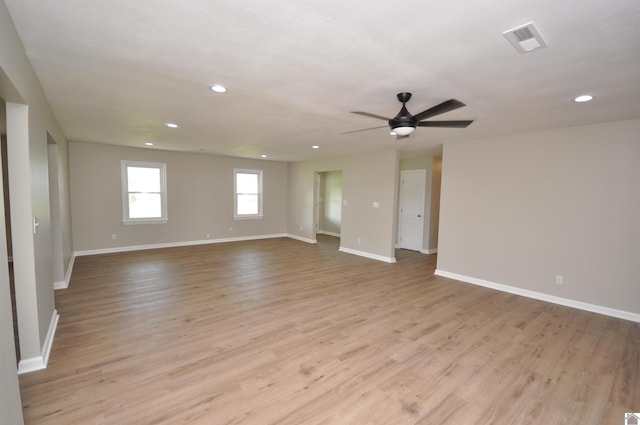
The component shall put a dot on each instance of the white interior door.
(412, 190)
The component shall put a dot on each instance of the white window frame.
(125, 164)
(237, 216)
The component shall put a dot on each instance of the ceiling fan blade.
(367, 114)
(446, 106)
(365, 129)
(450, 124)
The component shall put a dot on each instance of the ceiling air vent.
(525, 38)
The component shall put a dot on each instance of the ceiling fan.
(403, 124)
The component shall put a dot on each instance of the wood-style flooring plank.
(280, 332)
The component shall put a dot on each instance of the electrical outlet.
(231, 228)
(208, 235)
(559, 279)
(359, 240)
(113, 236)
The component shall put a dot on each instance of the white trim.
(124, 169)
(367, 255)
(38, 363)
(175, 244)
(324, 232)
(67, 277)
(258, 173)
(300, 238)
(31, 365)
(620, 314)
(429, 251)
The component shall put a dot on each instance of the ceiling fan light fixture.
(402, 131)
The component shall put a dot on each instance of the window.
(248, 193)
(144, 192)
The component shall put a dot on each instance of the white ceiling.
(116, 71)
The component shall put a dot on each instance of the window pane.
(246, 183)
(143, 179)
(145, 205)
(247, 204)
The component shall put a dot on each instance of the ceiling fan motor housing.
(404, 117)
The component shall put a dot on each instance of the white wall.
(366, 179)
(199, 197)
(519, 210)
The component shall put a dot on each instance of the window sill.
(145, 221)
(247, 217)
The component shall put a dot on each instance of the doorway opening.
(419, 195)
(412, 207)
(57, 261)
(328, 204)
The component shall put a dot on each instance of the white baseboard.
(324, 232)
(367, 255)
(67, 276)
(422, 251)
(620, 314)
(40, 362)
(176, 244)
(300, 238)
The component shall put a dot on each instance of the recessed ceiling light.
(172, 125)
(263, 156)
(148, 143)
(315, 147)
(583, 98)
(218, 88)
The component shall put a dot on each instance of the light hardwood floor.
(283, 332)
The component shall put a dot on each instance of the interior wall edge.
(40, 362)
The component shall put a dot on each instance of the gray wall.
(10, 404)
(519, 210)
(434, 217)
(200, 198)
(29, 120)
(5, 181)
